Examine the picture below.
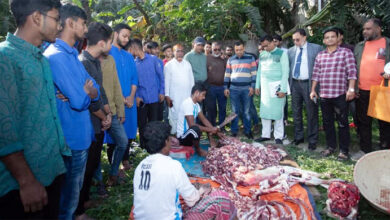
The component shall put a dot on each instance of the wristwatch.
(351, 90)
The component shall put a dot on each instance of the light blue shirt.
(69, 76)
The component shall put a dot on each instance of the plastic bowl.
(372, 177)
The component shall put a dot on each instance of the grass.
(118, 204)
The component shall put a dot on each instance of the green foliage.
(350, 15)
(7, 23)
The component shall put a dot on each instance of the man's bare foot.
(201, 152)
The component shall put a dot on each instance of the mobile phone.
(315, 100)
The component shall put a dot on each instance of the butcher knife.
(227, 120)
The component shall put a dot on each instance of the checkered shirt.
(333, 70)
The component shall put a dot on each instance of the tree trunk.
(143, 12)
(87, 9)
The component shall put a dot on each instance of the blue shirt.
(69, 76)
(125, 66)
(150, 79)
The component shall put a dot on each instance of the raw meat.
(237, 163)
(236, 158)
(343, 199)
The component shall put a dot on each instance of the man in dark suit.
(302, 57)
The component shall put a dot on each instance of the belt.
(301, 80)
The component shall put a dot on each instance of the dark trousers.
(146, 113)
(285, 115)
(215, 95)
(365, 124)
(111, 148)
(300, 93)
(331, 108)
(94, 155)
(253, 113)
(11, 206)
(163, 111)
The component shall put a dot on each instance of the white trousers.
(278, 128)
(173, 123)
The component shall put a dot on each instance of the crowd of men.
(59, 105)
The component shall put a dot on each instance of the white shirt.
(179, 81)
(158, 182)
(304, 74)
(188, 107)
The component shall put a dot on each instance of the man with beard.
(127, 74)
(228, 52)
(98, 43)
(80, 89)
(216, 66)
(150, 86)
(178, 83)
(31, 165)
(371, 56)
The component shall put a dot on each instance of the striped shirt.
(240, 72)
(333, 70)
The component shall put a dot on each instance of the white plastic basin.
(372, 177)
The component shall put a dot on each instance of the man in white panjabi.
(179, 81)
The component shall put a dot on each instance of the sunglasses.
(216, 49)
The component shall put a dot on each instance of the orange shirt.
(372, 63)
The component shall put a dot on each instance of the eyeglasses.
(57, 19)
(216, 49)
(296, 40)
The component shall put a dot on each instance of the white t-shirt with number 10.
(158, 182)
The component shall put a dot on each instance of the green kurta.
(272, 74)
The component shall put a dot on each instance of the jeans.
(11, 206)
(70, 191)
(98, 176)
(338, 107)
(215, 94)
(118, 134)
(365, 124)
(93, 161)
(240, 101)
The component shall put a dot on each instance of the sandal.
(342, 156)
(327, 152)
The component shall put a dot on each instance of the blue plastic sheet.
(193, 166)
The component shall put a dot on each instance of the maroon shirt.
(216, 67)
